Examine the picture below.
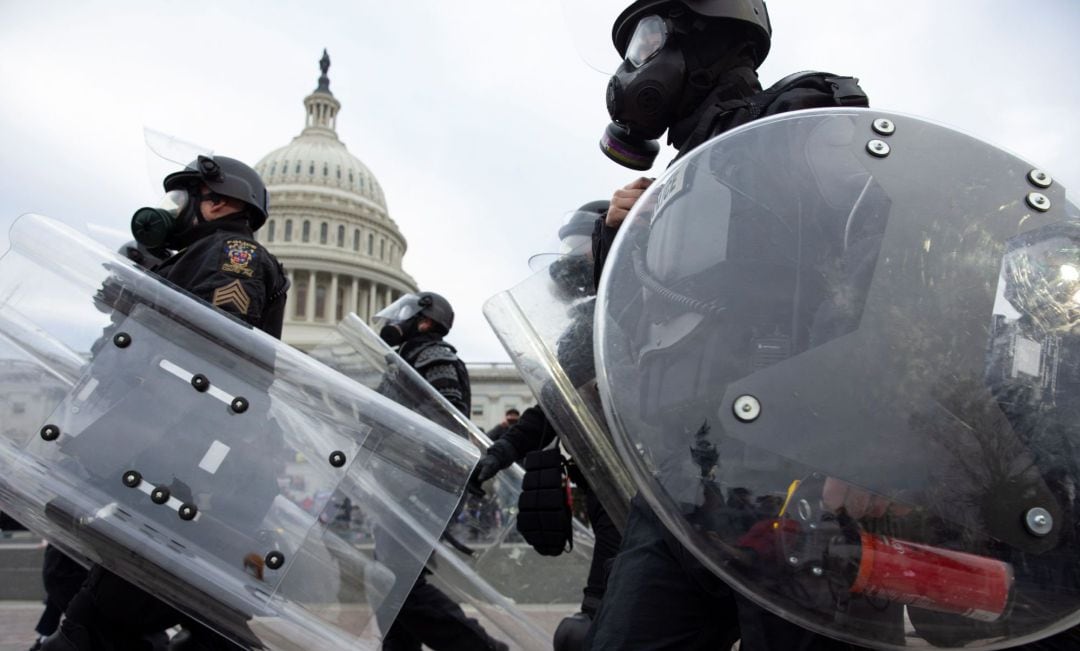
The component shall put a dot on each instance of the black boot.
(69, 637)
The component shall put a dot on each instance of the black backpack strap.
(847, 92)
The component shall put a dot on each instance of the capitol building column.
(332, 308)
(371, 301)
(309, 308)
(354, 296)
(290, 298)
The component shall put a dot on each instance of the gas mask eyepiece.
(643, 94)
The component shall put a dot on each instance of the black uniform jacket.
(438, 363)
(230, 270)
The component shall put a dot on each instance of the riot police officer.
(542, 517)
(208, 216)
(415, 325)
(689, 69)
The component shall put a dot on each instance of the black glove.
(488, 466)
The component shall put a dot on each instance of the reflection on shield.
(205, 461)
(839, 352)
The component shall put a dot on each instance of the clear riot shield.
(838, 350)
(482, 562)
(195, 456)
(546, 326)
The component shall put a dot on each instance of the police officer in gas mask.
(848, 392)
(689, 69)
(415, 325)
(208, 216)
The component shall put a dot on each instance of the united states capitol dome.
(329, 225)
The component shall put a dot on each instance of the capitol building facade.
(330, 227)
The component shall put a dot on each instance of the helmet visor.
(649, 37)
(400, 310)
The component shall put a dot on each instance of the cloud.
(479, 119)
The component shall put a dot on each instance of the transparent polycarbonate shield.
(589, 25)
(838, 351)
(197, 457)
(482, 561)
(546, 326)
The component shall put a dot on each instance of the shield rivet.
(747, 408)
(159, 495)
(884, 127)
(1039, 521)
(274, 560)
(337, 458)
(239, 405)
(200, 382)
(1040, 178)
(132, 479)
(187, 511)
(878, 148)
(50, 432)
(1038, 201)
(121, 340)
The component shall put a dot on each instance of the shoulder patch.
(239, 254)
(232, 294)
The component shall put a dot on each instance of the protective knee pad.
(570, 635)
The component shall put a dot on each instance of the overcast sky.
(479, 117)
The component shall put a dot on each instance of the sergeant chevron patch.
(233, 293)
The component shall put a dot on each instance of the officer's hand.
(623, 200)
(488, 466)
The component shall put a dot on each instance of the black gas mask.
(157, 227)
(395, 334)
(645, 94)
(400, 321)
(176, 222)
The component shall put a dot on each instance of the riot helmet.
(578, 226)
(677, 52)
(751, 15)
(839, 352)
(571, 270)
(399, 321)
(174, 220)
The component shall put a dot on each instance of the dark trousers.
(608, 540)
(63, 578)
(429, 617)
(660, 597)
(108, 614)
